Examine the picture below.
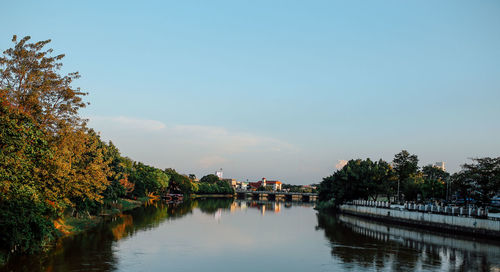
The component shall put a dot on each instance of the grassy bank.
(69, 225)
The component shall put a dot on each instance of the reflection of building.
(264, 206)
(440, 165)
(274, 184)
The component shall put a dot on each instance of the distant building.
(219, 173)
(231, 182)
(440, 165)
(274, 184)
(253, 186)
(240, 185)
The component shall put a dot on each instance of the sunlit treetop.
(30, 77)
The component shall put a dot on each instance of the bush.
(328, 205)
(26, 223)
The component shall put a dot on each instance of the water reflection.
(93, 250)
(265, 206)
(256, 235)
(375, 246)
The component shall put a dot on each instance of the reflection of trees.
(211, 206)
(119, 231)
(367, 246)
(151, 216)
(92, 250)
(178, 210)
(354, 248)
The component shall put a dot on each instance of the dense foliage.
(211, 184)
(478, 182)
(405, 181)
(147, 179)
(51, 163)
(180, 184)
(299, 188)
(358, 179)
(25, 214)
(211, 179)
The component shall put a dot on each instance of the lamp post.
(399, 201)
(447, 189)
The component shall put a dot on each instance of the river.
(246, 235)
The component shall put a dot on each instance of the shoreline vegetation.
(402, 180)
(57, 176)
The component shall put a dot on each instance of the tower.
(219, 173)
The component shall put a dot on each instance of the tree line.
(403, 180)
(51, 163)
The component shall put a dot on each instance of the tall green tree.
(479, 179)
(29, 75)
(435, 182)
(406, 167)
(358, 179)
(405, 164)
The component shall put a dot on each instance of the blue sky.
(279, 89)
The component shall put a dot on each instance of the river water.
(246, 235)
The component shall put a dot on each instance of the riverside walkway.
(455, 219)
(275, 195)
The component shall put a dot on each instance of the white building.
(440, 165)
(219, 173)
(240, 185)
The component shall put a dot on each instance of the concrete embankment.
(441, 222)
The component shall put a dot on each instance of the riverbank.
(67, 226)
(487, 228)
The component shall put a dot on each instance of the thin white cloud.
(187, 146)
(230, 141)
(128, 123)
(211, 161)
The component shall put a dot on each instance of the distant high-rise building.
(440, 165)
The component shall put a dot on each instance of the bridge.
(276, 195)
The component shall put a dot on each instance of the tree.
(480, 179)
(180, 184)
(435, 180)
(118, 174)
(25, 213)
(148, 179)
(358, 179)
(212, 179)
(411, 187)
(405, 164)
(31, 83)
(80, 172)
(463, 185)
(49, 159)
(29, 76)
